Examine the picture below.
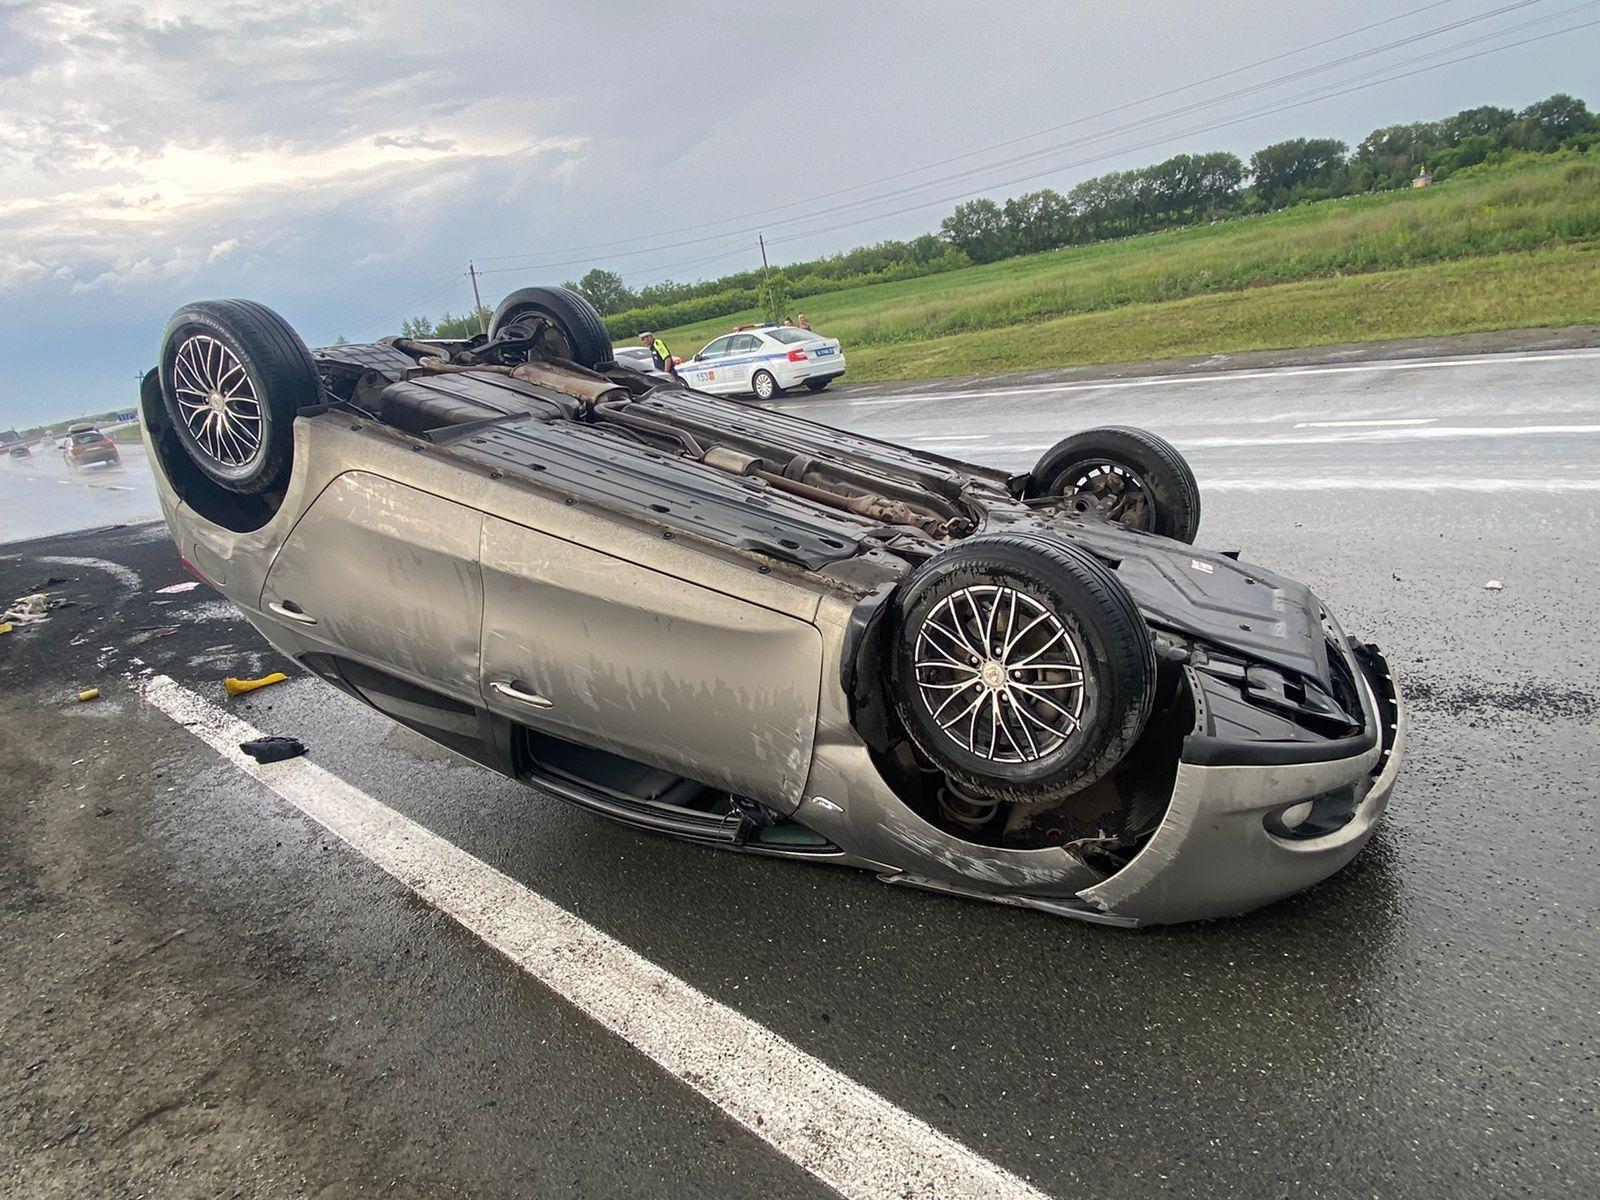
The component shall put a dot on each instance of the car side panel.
(649, 665)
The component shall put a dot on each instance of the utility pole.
(477, 300)
(766, 282)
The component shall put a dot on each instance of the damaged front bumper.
(1223, 846)
(1235, 835)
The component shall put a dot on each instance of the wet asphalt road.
(41, 496)
(206, 995)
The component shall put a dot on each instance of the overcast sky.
(341, 162)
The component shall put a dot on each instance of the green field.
(1508, 247)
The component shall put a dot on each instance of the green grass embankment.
(1512, 247)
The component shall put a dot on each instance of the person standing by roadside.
(659, 354)
(801, 322)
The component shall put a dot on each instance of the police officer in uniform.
(659, 354)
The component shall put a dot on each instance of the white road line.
(1362, 437)
(1430, 364)
(1332, 437)
(1364, 424)
(950, 437)
(1334, 484)
(847, 1135)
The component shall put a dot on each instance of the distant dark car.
(20, 450)
(90, 447)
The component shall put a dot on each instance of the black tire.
(816, 385)
(1102, 628)
(1140, 462)
(587, 342)
(277, 373)
(765, 385)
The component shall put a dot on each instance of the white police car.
(765, 361)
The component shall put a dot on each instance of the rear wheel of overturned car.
(566, 324)
(1126, 475)
(233, 375)
(1021, 667)
(765, 385)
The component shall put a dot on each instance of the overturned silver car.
(742, 628)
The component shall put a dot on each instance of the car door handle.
(291, 611)
(525, 697)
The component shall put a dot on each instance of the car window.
(716, 348)
(789, 336)
(83, 439)
(745, 341)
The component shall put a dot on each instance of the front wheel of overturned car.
(1127, 475)
(1021, 667)
(765, 385)
(233, 375)
(564, 323)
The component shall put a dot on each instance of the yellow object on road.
(238, 687)
(5, 627)
(89, 694)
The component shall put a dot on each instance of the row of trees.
(924, 255)
(1186, 189)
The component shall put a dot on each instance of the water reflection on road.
(41, 496)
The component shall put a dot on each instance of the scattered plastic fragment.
(238, 687)
(273, 749)
(5, 626)
(89, 694)
(1494, 585)
(173, 588)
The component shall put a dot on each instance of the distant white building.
(1423, 179)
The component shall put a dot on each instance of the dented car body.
(745, 629)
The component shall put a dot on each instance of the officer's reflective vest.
(659, 348)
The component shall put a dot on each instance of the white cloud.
(16, 271)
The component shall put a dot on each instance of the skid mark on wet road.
(845, 1134)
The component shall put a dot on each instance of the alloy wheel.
(1000, 674)
(217, 401)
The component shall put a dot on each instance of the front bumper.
(1214, 855)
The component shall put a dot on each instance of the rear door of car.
(586, 642)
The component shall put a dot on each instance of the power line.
(1301, 100)
(1360, 82)
(1270, 110)
(410, 306)
(1197, 106)
(1144, 121)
